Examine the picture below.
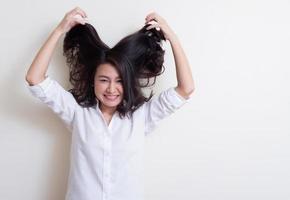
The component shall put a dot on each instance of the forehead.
(108, 70)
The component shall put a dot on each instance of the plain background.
(231, 141)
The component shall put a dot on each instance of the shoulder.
(169, 95)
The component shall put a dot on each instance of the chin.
(111, 103)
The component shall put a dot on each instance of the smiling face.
(108, 87)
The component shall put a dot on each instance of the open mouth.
(111, 97)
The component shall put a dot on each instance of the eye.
(119, 81)
(103, 80)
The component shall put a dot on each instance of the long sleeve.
(166, 103)
(57, 98)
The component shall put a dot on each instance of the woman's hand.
(72, 18)
(156, 21)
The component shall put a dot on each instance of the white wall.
(232, 141)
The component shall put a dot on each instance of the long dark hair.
(135, 57)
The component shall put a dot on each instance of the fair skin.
(185, 84)
(108, 89)
(37, 70)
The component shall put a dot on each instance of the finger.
(152, 16)
(80, 12)
(81, 21)
(77, 10)
(79, 17)
(83, 13)
(156, 26)
(73, 11)
(151, 22)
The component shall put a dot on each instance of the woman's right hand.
(72, 18)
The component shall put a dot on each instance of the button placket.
(107, 165)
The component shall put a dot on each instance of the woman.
(106, 111)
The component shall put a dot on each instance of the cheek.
(98, 89)
(121, 89)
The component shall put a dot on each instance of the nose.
(111, 88)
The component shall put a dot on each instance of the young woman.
(106, 110)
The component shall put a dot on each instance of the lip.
(111, 97)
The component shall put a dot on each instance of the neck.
(107, 110)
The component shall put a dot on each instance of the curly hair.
(137, 56)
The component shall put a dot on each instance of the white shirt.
(106, 161)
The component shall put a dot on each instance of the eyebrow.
(103, 76)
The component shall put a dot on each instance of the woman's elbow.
(32, 80)
(189, 92)
(185, 92)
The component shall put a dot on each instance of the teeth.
(111, 97)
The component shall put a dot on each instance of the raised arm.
(37, 71)
(185, 84)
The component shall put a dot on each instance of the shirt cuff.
(176, 98)
(40, 89)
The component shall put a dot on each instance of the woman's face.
(108, 86)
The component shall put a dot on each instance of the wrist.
(172, 38)
(58, 31)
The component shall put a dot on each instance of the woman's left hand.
(156, 21)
